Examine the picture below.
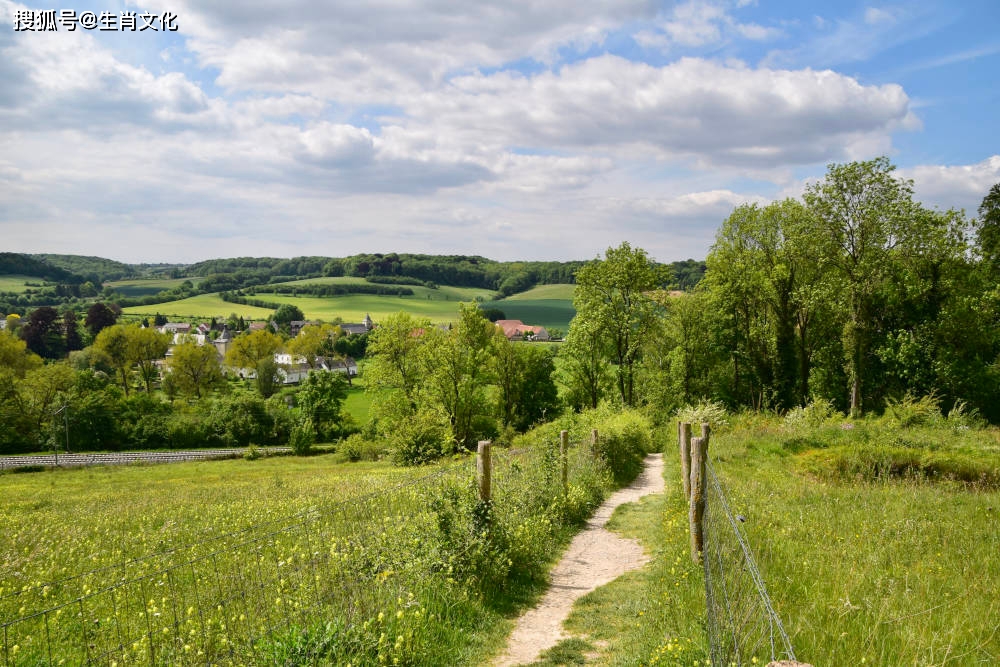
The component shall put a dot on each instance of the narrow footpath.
(595, 557)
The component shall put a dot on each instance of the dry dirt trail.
(595, 557)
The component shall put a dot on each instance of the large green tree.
(195, 369)
(862, 213)
(613, 295)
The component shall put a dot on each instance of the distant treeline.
(230, 297)
(25, 265)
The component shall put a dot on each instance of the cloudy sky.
(514, 129)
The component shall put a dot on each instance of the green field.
(281, 560)
(545, 292)
(202, 306)
(15, 283)
(441, 293)
(879, 545)
(146, 287)
(549, 313)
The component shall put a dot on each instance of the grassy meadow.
(284, 560)
(879, 544)
(203, 306)
(146, 286)
(559, 292)
(18, 284)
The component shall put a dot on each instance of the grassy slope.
(15, 283)
(146, 287)
(559, 292)
(201, 306)
(549, 313)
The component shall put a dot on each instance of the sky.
(512, 129)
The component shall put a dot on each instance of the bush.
(239, 420)
(302, 438)
(911, 411)
(421, 439)
(817, 413)
(623, 442)
(712, 412)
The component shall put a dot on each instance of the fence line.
(742, 626)
(742, 623)
(218, 599)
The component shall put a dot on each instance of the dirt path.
(595, 557)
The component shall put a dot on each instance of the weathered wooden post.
(684, 438)
(484, 466)
(696, 514)
(564, 458)
(594, 443)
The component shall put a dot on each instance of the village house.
(364, 327)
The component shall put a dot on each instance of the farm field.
(545, 292)
(353, 307)
(146, 287)
(442, 293)
(202, 306)
(549, 313)
(870, 553)
(15, 283)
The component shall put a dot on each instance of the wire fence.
(743, 627)
(227, 597)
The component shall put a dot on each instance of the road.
(124, 458)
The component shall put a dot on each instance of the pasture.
(203, 306)
(18, 284)
(549, 313)
(545, 292)
(146, 287)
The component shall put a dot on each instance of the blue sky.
(511, 129)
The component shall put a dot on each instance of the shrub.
(624, 440)
(815, 414)
(302, 437)
(911, 411)
(242, 419)
(712, 412)
(421, 439)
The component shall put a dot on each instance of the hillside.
(16, 264)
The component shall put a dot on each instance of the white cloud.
(874, 16)
(954, 186)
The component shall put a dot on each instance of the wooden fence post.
(564, 458)
(684, 437)
(484, 466)
(696, 514)
(593, 443)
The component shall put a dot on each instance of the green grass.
(441, 293)
(440, 305)
(869, 566)
(146, 287)
(545, 292)
(549, 313)
(363, 563)
(17, 284)
(201, 306)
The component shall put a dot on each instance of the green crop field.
(549, 313)
(202, 306)
(15, 283)
(141, 287)
(547, 292)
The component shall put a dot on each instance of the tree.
(612, 294)
(145, 348)
(159, 320)
(268, 376)
(314, 341)
(862, 214)
(248, 349)
(394, 354)
(99, 317)
(15, 356)
(42, 333)
(287, 313)
(585, 370)
(988, 231)
(195, 369)
(321, 396)
(71, 331)
(526, 392)
(113, 342)
(454, 369)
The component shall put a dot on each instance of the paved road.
(123, 458)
